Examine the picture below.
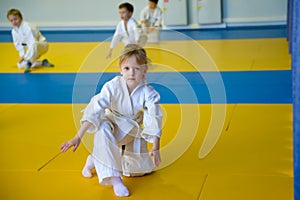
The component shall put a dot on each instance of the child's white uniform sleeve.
(133, 31)
(152, 116)
(143, 14)
(18, 43)
(95, 110)
(117, 36)
(158, 17)
(136, 31)
(28, 32)
(24, 35)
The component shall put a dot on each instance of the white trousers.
(35, 51)
(108, 158)
(23, 64)
(154, 36)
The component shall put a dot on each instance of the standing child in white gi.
(116, 115)
(127, 30)
(27, 35)
(151, 20)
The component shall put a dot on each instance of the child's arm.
(92, 117)
(116, 38)
(18, 45)
(158, 21)
(134, 29)
(21, 59)
(77, 138)
(152, 123)
(154, 152)
(143, 16)
(27, 38)
(109, 53)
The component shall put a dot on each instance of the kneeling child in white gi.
(125, 115)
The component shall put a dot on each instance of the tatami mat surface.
(252, 158)
(211, 55)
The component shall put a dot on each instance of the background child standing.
(151, 20)
(127, 30)
(116, 115)
(27, 35)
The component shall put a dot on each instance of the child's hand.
(139, 117)
(21, 59)
(73, 142)
(108, 56)
(151, 29)
(155, 154)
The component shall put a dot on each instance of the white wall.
(246, 12)
(104, 13)
(68, 13)
(254, 11)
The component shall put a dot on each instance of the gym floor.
(227, 104)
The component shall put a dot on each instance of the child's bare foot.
(119, 188)
(89, 165)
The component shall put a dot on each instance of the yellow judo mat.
(252, 159)
(228, 55)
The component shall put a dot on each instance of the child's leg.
(110, 176)
(35, 51)
(120, 189)
(107, 158)
(43, 63)
(89, 165)
(36, 64)
(154, 36)
(22, 65)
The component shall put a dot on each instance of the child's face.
(132, 72)
(125, 14)
(15, 20)
(152, 5)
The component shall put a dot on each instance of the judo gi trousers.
(36, 50)
(108, 157)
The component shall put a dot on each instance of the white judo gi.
(28, 36)
(152, 19)
(117, 119)
(130, 36)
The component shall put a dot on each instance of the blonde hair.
(138, 52)
(14, 11)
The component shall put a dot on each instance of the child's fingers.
(75, 147)
(156, 158)
(156, 161)
(65, 146)
(62, 147)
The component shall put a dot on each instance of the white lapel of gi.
(127, 108)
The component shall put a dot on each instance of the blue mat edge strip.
(247, 87)
(273, 31)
